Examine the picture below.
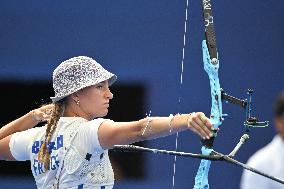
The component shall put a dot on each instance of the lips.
(106, 104)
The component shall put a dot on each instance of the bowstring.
(180, 90)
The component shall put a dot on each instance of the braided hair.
(44, 152)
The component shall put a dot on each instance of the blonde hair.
(44, 154)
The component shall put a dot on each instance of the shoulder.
(87, 136)
(30, 133)
(90, 128)
(27, 137)
(97, 122)
(65, 121)
(94, 124)
(21, 142)
(262, 156)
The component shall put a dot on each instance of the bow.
(211, 66)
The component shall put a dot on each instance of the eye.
(99, 87)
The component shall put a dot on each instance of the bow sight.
(246, 104)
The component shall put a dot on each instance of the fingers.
(43, 113)
(196, 132)
(197, 129)
(47, 109)
(201, 125)
(45, 117)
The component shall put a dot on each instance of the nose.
(108, 94)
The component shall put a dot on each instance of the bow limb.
(201, 179)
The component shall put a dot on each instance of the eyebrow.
(103, 82)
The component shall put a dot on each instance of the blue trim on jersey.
(82, 185)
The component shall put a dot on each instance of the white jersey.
(86, 163)
(269, 160)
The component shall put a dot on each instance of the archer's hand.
(200, 124)
(43, 113)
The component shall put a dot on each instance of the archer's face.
(95, 99)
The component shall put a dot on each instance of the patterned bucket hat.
(77, 73)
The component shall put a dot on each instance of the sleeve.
(19, 144)
(252, 180)
(89, 135)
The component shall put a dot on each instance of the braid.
(44, 154)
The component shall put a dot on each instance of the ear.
(75, 96)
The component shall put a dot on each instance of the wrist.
(178, 122)
(189, 118)
(34, 117)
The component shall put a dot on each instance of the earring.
(78, 102)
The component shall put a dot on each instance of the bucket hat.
(78, 73)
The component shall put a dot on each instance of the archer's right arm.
(27, 121)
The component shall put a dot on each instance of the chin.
(105, 114)
(102, 114)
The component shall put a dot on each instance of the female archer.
(71, 150)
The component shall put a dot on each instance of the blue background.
(141, 41)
